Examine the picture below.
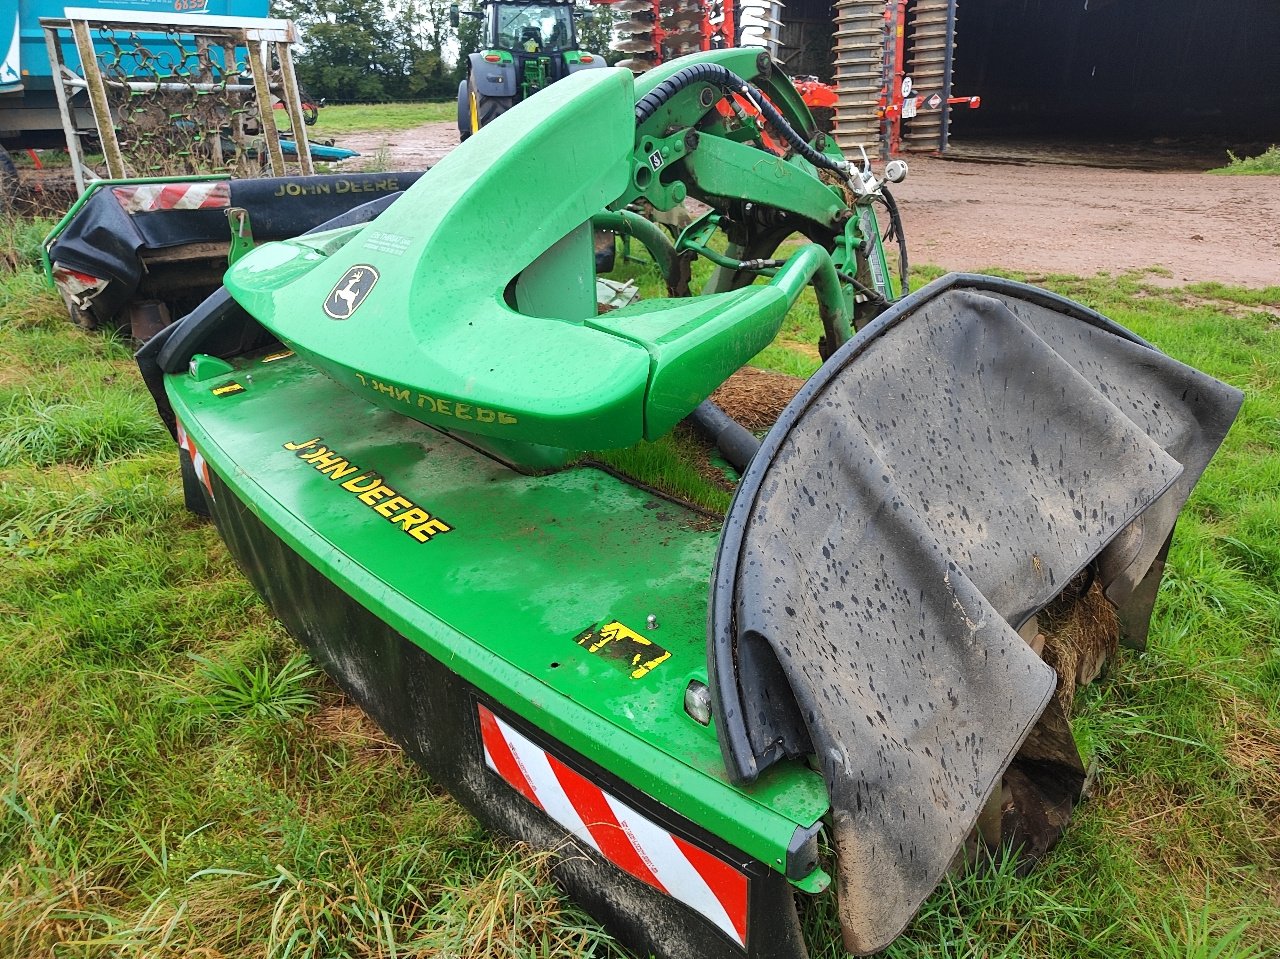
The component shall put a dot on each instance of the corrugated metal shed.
(1123, 69)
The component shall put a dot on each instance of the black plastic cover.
(103, 240)
(219, 326)
(934, 485)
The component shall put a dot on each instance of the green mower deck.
(542, 589)
(527, 575)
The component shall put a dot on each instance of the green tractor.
(525, 47)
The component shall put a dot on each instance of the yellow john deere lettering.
(370, 490)
(436, 404)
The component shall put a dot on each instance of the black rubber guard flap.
(932, 487)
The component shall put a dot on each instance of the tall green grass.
(176, 780)
(1266, 163)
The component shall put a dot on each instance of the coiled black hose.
(728, 80)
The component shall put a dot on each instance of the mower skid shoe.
(712, 901)
(930, 490)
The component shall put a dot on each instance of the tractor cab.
(525, 48)
(530, 28)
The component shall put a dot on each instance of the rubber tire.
(8, 182)
(84, 319)
(487, 109)
(464, 112)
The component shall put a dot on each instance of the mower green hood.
(464, 303)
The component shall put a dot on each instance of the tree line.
(368, 50)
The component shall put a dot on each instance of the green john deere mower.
(402, 423)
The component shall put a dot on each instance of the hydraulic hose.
(728, 80)
(895, 219)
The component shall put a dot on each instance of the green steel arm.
(722, 168)
(660, 247)
(813, 263)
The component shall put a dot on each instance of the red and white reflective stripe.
(197, 459)
(631, 841)
(74, 283)
(149, 197)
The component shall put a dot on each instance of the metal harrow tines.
(655, 31)
(181, 105)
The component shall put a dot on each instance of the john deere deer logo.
(350, 291)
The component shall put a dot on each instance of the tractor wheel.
(484, 109)
(8, 182)
(464, 112)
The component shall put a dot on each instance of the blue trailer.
(28, 104)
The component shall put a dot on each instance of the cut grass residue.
(175, 779)
(668, 465)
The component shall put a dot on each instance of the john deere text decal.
(369, 489)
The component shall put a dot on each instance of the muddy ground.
(1058, 218)
(1034, 217)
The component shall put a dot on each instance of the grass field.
(176, 780)
(337, 119)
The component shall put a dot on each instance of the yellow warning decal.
(277, 356)
(369, 489)
(228, 389)
(624, 646)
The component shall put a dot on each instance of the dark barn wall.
(1120, 68)
(808, 32)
